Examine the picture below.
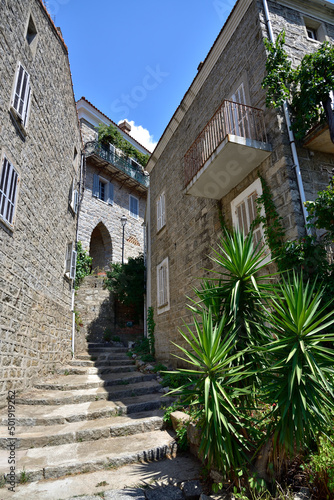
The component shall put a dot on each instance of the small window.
(31, 32)
(133, 206)
(21, 96)
(161, 211)
(311, 33)
(70, 261)
(103, 189)
(8, 191)
(163, 286)
(315, 30)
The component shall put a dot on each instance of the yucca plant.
(240, 289)
(215, 387)
(299, 383)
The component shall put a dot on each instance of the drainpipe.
(291, 134)
(76, 242)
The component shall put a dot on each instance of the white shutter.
(22, 94)
(8, 189)
(68, 259)
(73, 263)
(75, 201)
(159, 225)
(163, 210)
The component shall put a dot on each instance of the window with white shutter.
(163, 287)
(70, 260)
(161, 211)
(74, 203)
(244, 211)
(9, 179)
(22, 94)
(133, 206)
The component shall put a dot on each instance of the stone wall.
(95, 312)
(35, 296)
(193, 227)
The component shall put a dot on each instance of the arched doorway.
(100, 248)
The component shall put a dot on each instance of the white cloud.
(142, 135)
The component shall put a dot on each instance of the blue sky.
(136, 59)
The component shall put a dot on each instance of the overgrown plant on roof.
(108, 134)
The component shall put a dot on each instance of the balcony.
(125, 170)
(318, 139)
(232, 144)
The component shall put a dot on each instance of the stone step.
(94, 356)
(105, 453)
(105, 368)
(86, 430)
(32, 415)
(114, 360)
(132, 476)
(91, 380)
(64, 397)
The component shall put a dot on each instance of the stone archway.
(100, 248)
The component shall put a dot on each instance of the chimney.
(125, 126)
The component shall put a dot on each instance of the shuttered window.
(161, 211)
(244, 211)
(22, 94)
(8, 191)
(133, 206)
(163, 286)
(103, 189)
(70, 260)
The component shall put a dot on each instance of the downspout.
(76, 243)
(291, 134)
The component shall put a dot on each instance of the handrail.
(122, 163)
(230, 118)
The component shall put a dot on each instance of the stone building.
(115, 186)
(215, 145)
(115, 189)
(40, 148)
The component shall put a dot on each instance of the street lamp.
(123, 221)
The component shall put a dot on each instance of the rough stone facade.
(192, 224)
(35, 296)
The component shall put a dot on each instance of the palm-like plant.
(240, 290)
(214, 387)
(299, 378)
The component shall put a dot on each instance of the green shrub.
(322, 468)
(83, 266)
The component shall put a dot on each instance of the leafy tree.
(84, 265)
(127, 282)
(321, 211)
(308, 87)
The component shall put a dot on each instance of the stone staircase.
(97, 413)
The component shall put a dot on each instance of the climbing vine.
(83, 266)
(307, 88)
(150, 329)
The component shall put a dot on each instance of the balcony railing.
(110, 155)
(230, 119)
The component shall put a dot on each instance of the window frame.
(163, 301)
(10, 194)
(21, 115)
(256, 187)
(132, 214)
(109, 190)
(161, 211)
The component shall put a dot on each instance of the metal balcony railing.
(231, 118)
(122, 163)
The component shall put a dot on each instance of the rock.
(149, 368)
(303, 494)
(165, 493)
(192, 490)
(178, 419)
(204, 497)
